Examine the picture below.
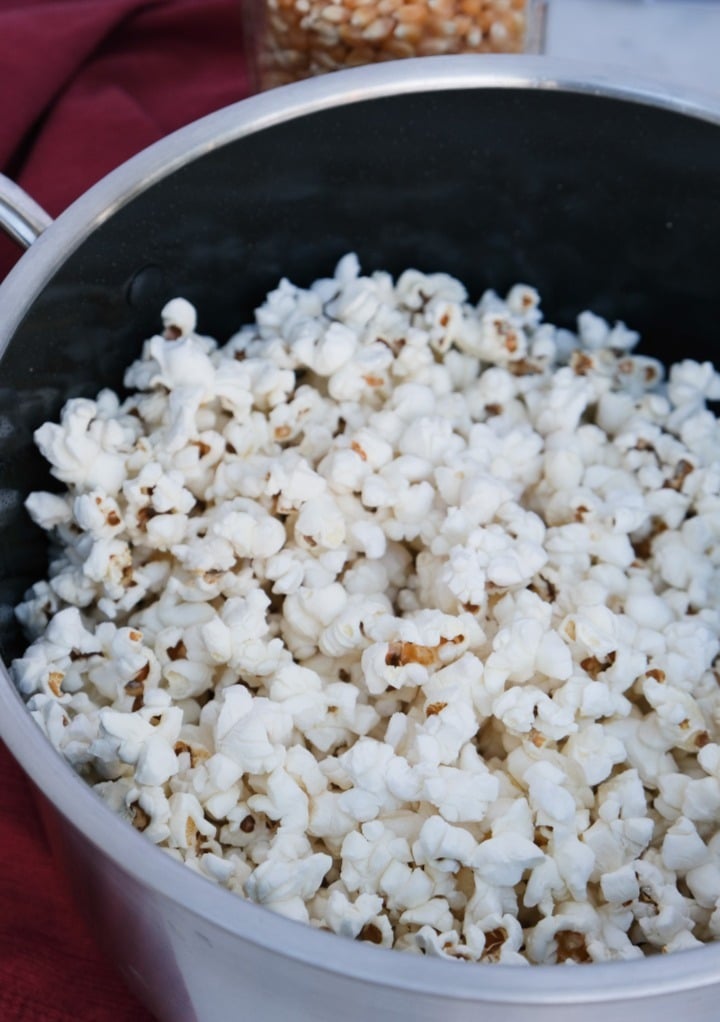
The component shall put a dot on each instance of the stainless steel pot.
(603, 195)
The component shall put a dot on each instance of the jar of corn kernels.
(293, 39)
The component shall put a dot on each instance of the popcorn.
(620, 886)
(178, 318)
(251, 732)
(48, 510)
(502, 860)
(565, 936)
(289, 877)
(460, 796)
(595, 752)
(84, 449)
(444, 846)
(350, 918)
(683, 849)
(285, 801)
(367, 853)
(398, 615)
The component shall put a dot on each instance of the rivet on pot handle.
(20, 216)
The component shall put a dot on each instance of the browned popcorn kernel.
(372, 933)
(494, 940)
(140, 819)
(55, 680)
(571, 947)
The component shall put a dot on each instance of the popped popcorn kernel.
(397, 615)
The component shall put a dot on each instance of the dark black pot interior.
(600, 203)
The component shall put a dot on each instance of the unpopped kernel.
(295, 39)
(399, 615)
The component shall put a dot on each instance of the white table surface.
(674, 41)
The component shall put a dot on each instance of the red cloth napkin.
(84, 84)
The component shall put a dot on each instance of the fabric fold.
(85, 84)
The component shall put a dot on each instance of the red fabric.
(84, 84)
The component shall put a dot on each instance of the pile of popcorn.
(399, 615)
(295, 39)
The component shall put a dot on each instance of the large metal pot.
(604, 196)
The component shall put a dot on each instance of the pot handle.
(20, 216)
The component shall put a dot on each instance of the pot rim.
(55, 778)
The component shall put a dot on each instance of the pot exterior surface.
(600, 200)
(186, 969)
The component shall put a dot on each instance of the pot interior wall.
(598, 202)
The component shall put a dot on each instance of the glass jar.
(293, 39)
